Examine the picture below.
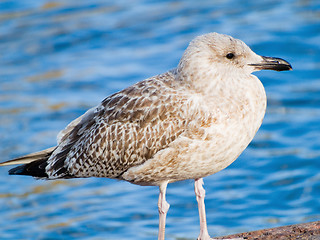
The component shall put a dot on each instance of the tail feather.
(36, 169)
(29, 158)
(34, 164)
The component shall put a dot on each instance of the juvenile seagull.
(187, 123)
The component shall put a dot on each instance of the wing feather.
(125, 130)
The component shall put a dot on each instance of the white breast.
(220, 128)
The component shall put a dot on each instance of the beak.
(272, 63)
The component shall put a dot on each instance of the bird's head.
(227, 55)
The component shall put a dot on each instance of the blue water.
(59, 58)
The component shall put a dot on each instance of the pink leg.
(200, 194)
(163, 207)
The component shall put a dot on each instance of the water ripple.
(59, 58)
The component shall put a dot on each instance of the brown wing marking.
(128, 128)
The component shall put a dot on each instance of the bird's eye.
(230, 55)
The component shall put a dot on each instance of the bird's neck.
(229, 92)
(211, 82)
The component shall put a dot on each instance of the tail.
(34, 164)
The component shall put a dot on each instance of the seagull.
(187, 123)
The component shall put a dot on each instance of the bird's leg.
(200, 194)
(163, 207)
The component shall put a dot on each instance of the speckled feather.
(187, 123)
(125, 130)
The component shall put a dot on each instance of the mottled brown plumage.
(187, 123)
(125, 130)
